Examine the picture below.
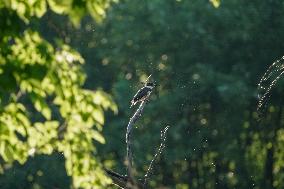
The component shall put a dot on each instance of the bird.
(143, 93)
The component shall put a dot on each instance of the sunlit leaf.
(52, 77)
(215, 3)
(41, 106)
(60, 6)
(97, 136)
(40, 8)
(98, 116)
(7, 153)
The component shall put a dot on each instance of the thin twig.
(159, 151)
(267, 82)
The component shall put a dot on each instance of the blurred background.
(207, 58)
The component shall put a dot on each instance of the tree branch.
(130, 125)
(159, 151)
(129, 182)
(117, 179)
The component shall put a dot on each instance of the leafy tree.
(44, 108)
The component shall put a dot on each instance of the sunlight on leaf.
(97, 136)
(48, 80)
(60, 6)
(41, 106)
(216, 3)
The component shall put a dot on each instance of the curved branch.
(159, 151)
(130, 125)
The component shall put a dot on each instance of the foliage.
(215, 3)
(75, 9)
(44, 108)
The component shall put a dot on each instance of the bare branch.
(129, 181)
(159, 151)
(130, 125)
(267, 82)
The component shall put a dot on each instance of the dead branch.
(159, 151)
(130, 125)
(129, 181)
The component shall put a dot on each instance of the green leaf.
(96, 11)
(215, 3)
(76, 14)
(41, 106)
(98, 115)
(60, 6)
(7, 152)
(40, 8)
(97, 136)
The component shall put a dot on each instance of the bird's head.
(151, 84)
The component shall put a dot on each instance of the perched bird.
(143, 93)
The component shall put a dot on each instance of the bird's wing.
(141, 93)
